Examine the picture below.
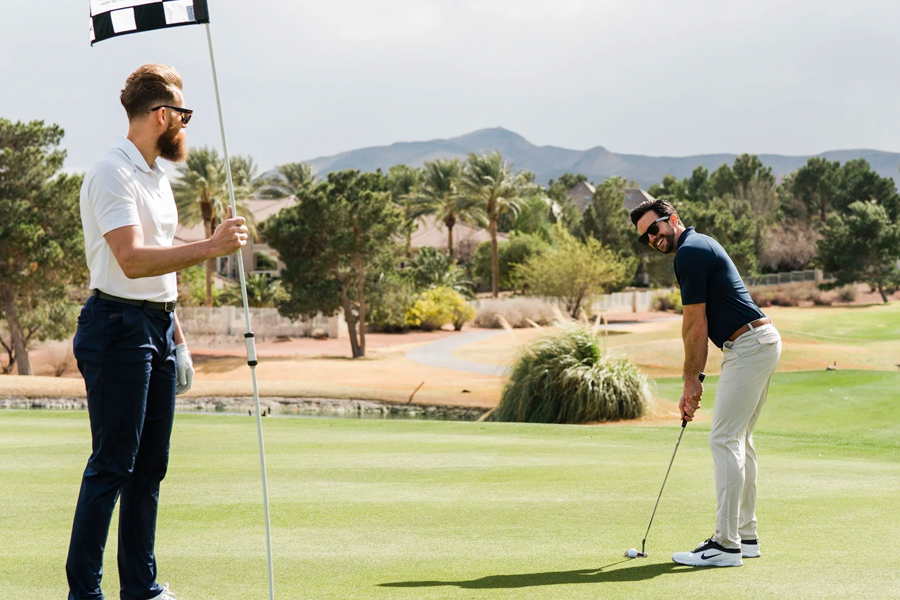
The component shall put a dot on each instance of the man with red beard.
(129, 344)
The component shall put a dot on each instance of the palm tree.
(439, 195)
(404, 182)
(491, 183)
(201, 195)
(291, 179)
(262, 292)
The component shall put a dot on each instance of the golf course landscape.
(403, 509)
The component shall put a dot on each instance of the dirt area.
(310, 368)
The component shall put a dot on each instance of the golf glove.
(184, 366)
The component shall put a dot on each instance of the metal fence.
(267, 323)
(634, 301)
(788, 277)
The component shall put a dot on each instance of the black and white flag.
(111, 18)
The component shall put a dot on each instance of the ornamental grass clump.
(567, 378)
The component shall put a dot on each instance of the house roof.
(583, 193)
(261, 210)
(429, 232)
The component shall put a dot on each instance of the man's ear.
(158, 117)
(674, 220)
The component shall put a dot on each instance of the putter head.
(638, 555)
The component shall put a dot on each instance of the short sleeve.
(113, 199)
(693, 268)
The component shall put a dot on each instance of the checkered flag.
(111, 18)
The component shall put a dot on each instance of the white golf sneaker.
(710, 554)
(750, 549)
(165, 595)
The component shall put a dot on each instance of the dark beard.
(670, 243)
(171, 144)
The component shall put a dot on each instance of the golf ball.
(632, 553)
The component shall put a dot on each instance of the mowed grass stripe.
(431, 510)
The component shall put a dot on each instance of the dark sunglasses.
(652, 230)
(185, 112)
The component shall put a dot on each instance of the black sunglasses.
(185, 112)
(652, 230)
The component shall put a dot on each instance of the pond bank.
(313, 407)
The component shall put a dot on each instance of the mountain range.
(597, 163)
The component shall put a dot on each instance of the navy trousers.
(127, 357)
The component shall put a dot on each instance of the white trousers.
(747, 368)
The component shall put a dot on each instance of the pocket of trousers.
(769, 337)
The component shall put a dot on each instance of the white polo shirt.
(122, 190)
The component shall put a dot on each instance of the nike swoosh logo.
(705, 557)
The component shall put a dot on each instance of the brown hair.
(662, 208)
(149, 86)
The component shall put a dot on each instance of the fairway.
(431, 510)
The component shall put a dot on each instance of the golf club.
(632, 553)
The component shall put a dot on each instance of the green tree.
(565, 183)
(403, 182)
(262, 292)
(490, 182)
(439, 195)
(724, 181)
(535, 215)
(859, 183)
(564, 209)
(732, 223)
(332, 243)
(572, 271)
(862, 245)
(606, 218)
(699, 187)
(813, 188)
(515, 251)
(41, 242)
(43, 314)
(201, 195)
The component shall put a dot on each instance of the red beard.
(172, 144)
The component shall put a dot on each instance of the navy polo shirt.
(706, 273)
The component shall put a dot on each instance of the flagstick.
(248, 337)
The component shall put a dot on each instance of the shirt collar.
(135, 156)
(684, 235)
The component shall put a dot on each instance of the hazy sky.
(303, 79)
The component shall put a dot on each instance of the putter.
(643, 552)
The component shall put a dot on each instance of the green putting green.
(441, 510)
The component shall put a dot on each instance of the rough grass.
(400, 510)
(566, 378)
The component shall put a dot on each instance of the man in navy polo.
(717, 306)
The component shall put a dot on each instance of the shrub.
(668, 301)
(515, 311)
(432, 268)
(436, 307)
(820, 298)
(781, 298)
(566, 378)
(392, 296)
(192, 287)
(515, 251)
(847, 293)
(572, 272)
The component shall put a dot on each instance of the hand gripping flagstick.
(632, 553)
(111, 18)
